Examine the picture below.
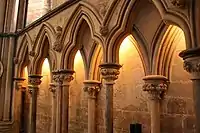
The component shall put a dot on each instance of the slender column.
(62, 79)
(34, 82)
(18, 104)
(191, 59)
(156, 86)
(21, 14)
(92, 88)
(53, 90)
(109, 72)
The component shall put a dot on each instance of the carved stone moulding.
(57, 46)
(52, 87)
(110, 71)
(92, 87)
(104, 30)
(156, 86)
(178, 3)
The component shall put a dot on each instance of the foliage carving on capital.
(61, 75)
(92, 88)
(178, 3)
(57, 44)
(191, 67)
(34, 80)
(92, 91)
(156, 91)
(110, 71)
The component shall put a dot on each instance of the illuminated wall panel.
(78, 100)
(130, 102)
(44, 105)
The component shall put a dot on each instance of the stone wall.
(36, 9)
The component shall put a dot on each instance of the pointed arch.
(25, 39)
(176, 18)
(43, 48)
(77, 44)
(21, 57)
(83, 13)
(163, 53)
(120, 30)
(91, 16)
(45, 30)
(124, 27)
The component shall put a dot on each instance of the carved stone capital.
(52, 88)
(34, 81)
(110, 71)
(57, 46)
(92, 88)
(156, 86)
(191, 59)
(178, 3)
(192, 66)
(63, 75)
(19, 83)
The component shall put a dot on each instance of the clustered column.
(62, 79)
(109, 72)
(34, 82)
(53, 90)
(156, 86)
(192, 65)
(92, 87)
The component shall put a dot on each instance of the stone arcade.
(97, 66)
